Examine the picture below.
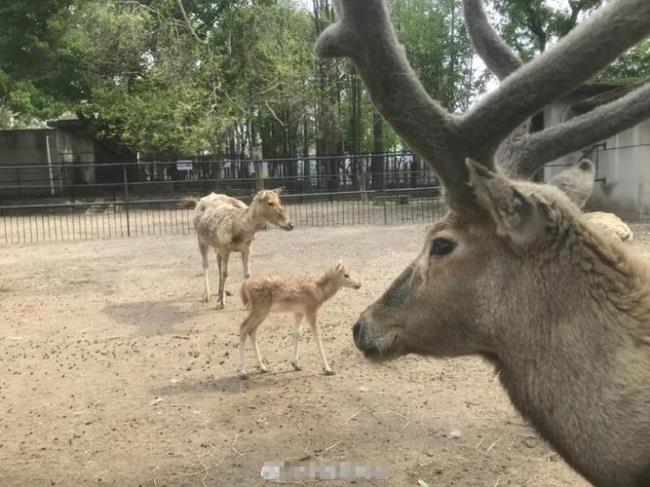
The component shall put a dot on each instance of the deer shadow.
(154, 317)
(233, 384)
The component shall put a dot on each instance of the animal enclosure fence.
(141, 198)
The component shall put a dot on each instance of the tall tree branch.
(188, 23)
(495, 53)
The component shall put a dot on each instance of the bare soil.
(113, 372)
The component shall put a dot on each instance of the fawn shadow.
(232, 384)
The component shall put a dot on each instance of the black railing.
(135, 199)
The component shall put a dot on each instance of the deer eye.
(346, 275)
(270, 203)
(441, 246)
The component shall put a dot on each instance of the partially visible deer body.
(303, 296)
(229, 225)
(577, 183)
(611, 225)
(514, 273)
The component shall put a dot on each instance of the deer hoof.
(228, 293)
(296, 367)
(242, 375)
(328, 372)
(264, 370)
(205, 299)
(221, 305)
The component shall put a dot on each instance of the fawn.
(300, 295)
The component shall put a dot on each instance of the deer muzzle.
(359, 333)
(287, 226)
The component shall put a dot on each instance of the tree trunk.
(377, 165)
(356, 130)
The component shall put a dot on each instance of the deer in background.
(610, 224)
(577, 182)
(303, 296)
(229, 225)
(513, 272)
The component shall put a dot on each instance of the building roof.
(594, 94)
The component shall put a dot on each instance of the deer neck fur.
(328, 284)
(581, 362)
(252, 219)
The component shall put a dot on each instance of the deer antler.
(541, 147)
(582, 53)
(524, 153)
(363, 33)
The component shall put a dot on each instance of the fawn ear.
(278, 190)
(339, 266)
(577, 182)
(516, 215)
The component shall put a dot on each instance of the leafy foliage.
(170, 78)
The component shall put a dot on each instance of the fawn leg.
(249, 327)
(241, 370)
(252, 334)
(296, 340)
(311, 318)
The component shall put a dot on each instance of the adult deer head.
(268, 206)
(363, 33)
(513, 272)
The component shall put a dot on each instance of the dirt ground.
(115, 373)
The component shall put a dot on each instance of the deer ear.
(577, 182)
(339, 266)
(278, 190)
(516, 215)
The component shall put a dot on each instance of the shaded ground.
(114, 373)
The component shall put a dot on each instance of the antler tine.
(495, 53)
(587, 49)
(363, 32)
(523, 154)
(501, 61)
(541, 147)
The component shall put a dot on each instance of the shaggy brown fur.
(561, 309)
(228, 225)
(302, 296)
(514, 272)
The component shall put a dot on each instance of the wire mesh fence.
(344, 192)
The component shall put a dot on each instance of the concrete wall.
(624, 163)
(24, 147)
(69, 145)
(74, 146)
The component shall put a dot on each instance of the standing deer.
(303, 296)
(513, 272)
(228, 225)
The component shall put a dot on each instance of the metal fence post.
(126, 200)
(383, 196)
